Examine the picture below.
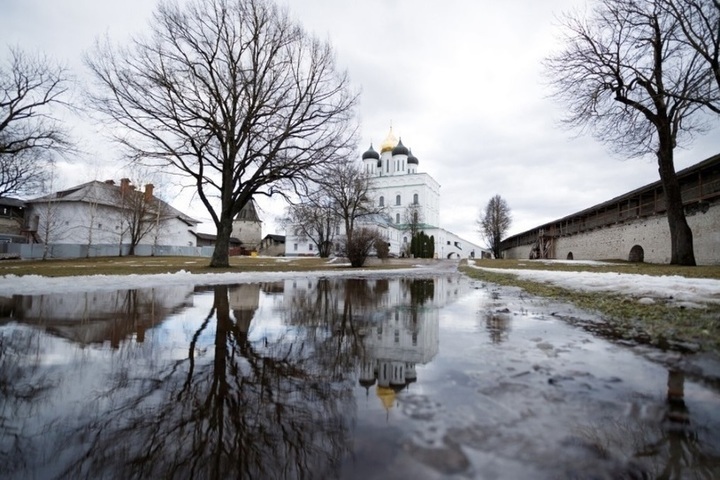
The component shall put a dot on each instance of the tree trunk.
(220, 257)
(681, 238)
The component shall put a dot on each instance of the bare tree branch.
(494, 223)
(30, 88)
(625, 76)
(233, 95)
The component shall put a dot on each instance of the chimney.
(149, 192)
(110, 182)
(124, 185)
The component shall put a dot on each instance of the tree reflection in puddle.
(324, 378)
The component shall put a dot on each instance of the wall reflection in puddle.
(252, 380)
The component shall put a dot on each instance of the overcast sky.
(460, 81)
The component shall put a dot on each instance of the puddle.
(438, 377)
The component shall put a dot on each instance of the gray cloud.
(460, 81)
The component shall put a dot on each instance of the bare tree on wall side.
(494, 223)
(640, 77)
(233, 96)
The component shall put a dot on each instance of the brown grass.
(615, 266)
(153, 265)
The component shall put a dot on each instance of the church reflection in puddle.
(324, 378)
(251, 380)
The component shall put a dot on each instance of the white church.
(395, 184)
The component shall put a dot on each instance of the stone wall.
(650, 233)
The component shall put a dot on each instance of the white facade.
(91, 214)
(395, 185)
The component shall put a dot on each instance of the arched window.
(382, 201)
(415, 199)
(397, 200)
(397, 218)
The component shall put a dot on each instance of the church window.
(382, 201)
(397, 218)
(310, 246)
(295, 247)
(397, 200)
(404, 239)
(415, 199)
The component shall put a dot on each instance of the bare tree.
(413, 221)
(623, 75)
(698, 28)
(232, 95)
(48, 222)
(315, 219)
(494, 223)
(341, 197)
(347, 187)
(359, 246)
(30, 88)
(141, 214)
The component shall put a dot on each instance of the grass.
(614, 266)
(660, 324)
(153, 265)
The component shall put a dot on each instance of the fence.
(31, 251)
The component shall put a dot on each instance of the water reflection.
(657, 441)
(194, 384)
(327, 378)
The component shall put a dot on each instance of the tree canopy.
(494, 223)
(628, 74)
(233, 96)
(31, 89)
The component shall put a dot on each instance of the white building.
(101, 213)
(396, 184)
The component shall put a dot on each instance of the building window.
(415, 199)
(295, 247)
(310, 246)
(382, 201)
(397, 200)
(404, 239)
(397, 218)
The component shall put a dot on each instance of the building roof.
(400, 149)
(389, 143)
(106, 194)
(248, 213)
(371, 153)
(11, 202)
(412, 158)
(684, 176)
(211, 237)
(276, 238)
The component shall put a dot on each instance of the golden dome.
(386, 396)
(389, 143)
